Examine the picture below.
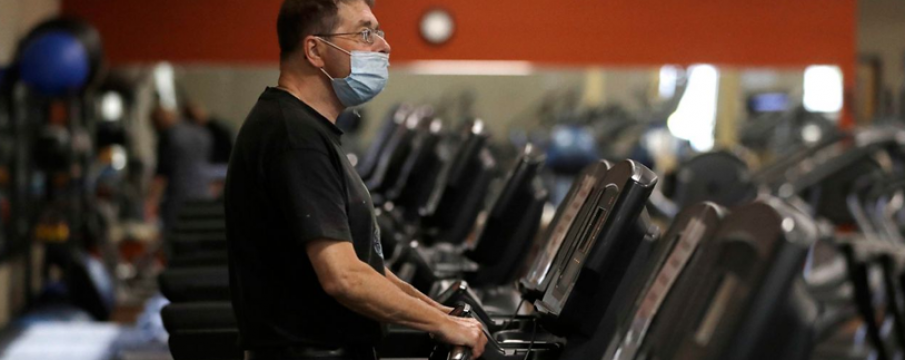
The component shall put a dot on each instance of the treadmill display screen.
(768, 102)
(599, 213)
(568, 272)
(541, 267)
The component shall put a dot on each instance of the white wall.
(502, 101)
(227, 91)
(17, 17)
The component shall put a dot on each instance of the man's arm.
(155, 195)
(162, 173)
(411, 291)
(308, 191)
(358, 287)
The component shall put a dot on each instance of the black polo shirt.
(290, 183)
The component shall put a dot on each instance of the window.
(695, 117)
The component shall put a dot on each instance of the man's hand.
(466, 332)
(445, 309)
(357, 286)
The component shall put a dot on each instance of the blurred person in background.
(222, 143)
(221, 133)
(183, 158)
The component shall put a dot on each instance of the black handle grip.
(461, 310)
(460, 353)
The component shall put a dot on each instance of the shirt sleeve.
(309, 192)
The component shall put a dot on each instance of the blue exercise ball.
(55, 63)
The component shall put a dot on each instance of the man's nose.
(382, 45)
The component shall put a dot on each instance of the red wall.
(613, 32)
(791, 33)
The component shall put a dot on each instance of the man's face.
(197, 114)
(162, 118)
(353, 18)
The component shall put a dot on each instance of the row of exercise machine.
(751, 265)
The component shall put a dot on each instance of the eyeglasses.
(367, 35)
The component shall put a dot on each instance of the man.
(307, 274)
(183, 153)
(221, 146)
(220, 132)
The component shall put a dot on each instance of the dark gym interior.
(585, 179)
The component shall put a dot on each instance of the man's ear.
(313, 52)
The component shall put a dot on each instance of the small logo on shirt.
(378, 247)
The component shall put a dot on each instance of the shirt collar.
(329, 124)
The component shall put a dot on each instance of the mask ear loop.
(335, 47)
(325, 73)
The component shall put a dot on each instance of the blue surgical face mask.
(368, 78)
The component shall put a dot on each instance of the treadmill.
(502, 243)
(603, 218)
(418, 174)
(720, 177)
(395, 151)
(742, 295)
(578, 198)
(824, 176)
(505, 239)
(459, 193)
(626, 322)
(448, 215)
(395, 118)
(535, 282)
(587, 272)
